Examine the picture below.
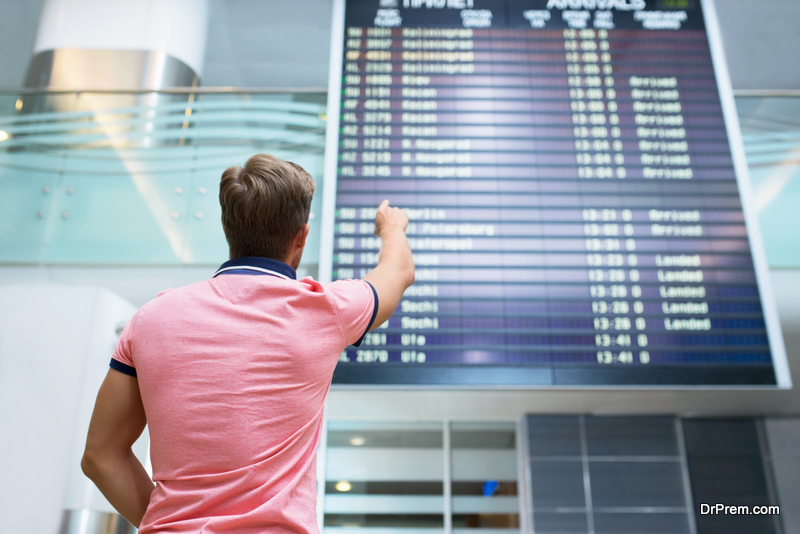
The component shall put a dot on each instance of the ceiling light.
(343, 485)
(357, 441)
(4, 135)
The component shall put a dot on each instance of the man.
(231, 373)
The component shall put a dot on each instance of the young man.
(231, 373)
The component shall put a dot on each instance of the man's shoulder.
(171, 297)
(189, 290)
(337, 285)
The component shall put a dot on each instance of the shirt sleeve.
(122, 358)
(356, 305)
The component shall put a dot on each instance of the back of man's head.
(264, 206)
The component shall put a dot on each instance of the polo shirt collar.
(258, 266)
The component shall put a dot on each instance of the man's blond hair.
(264, 206)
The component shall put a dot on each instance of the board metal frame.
(736, 144)
(742, 171)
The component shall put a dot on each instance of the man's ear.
(300, 238)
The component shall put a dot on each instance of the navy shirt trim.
(258, 266)
(372, 320)
(122, 368)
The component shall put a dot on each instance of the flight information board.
(577, 213)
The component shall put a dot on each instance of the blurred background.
(117, 119)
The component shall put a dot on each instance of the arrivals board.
(578, 199)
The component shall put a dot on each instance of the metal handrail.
(167, 90)
(278, 90)
(792, 93)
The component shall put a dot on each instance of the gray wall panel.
(587, 474)
(726, 467)
(18, 23)
(783, 436)
(761, 40)
(631, 436)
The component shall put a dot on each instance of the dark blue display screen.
(575, 214)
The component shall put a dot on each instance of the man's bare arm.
(117, 422)
(395, 269)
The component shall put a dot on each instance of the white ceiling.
(279, 43)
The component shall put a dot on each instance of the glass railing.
(132, 178)
(771, 132)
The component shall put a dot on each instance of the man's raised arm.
(395, 269)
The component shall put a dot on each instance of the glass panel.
(133, 178)
(482, 437)
(227, 130)
(425, 438)
(387, 487)
(484, 477)
(771, 133)
(119, 207)
(27, 206)
(205, 240)
(384, 476)
(484, 520)
(29, 176)
(384, 464)
(481, 488)
(407, 522)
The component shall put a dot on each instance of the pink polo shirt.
(233, 373)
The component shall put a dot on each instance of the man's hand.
(390, 219)
(395, 270)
